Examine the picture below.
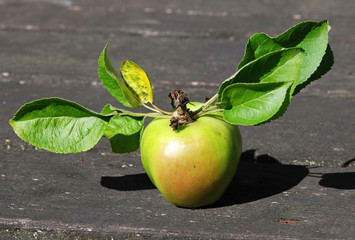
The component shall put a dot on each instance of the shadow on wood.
(256, 178)
(131, 182)
(260, 177)
(344, 180)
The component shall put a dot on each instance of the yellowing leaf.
(137, 80)
(114, 84)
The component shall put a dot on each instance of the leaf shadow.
(348, 163)
(259, 177)
(343, 180)
(338, 180)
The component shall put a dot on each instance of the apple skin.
(193, 166)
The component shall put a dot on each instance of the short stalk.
(206, 106)
(210, 102)
(160, 110)
(156, 109)
(152, 115)
(150, 108)
(208, 112)
(210, 108)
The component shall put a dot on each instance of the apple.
(193, 166)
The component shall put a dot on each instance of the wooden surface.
(296, 179)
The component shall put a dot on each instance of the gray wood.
(290, 184)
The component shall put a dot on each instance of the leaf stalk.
(152, 115)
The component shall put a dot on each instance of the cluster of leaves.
(271, 72)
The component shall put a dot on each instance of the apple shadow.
(133, 182)
(260, 177)
(256, 178)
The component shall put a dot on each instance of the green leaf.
(59, 125)
(310, 36)
(325, 65)
(252, 104)
(114, 84)
(279, 66)
(123, 131)
(137, 80)
(313, 38)
(258, 45)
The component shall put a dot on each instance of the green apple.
(193, 166)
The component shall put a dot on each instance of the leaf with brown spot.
(137, 80)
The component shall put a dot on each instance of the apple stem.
(182, 116)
